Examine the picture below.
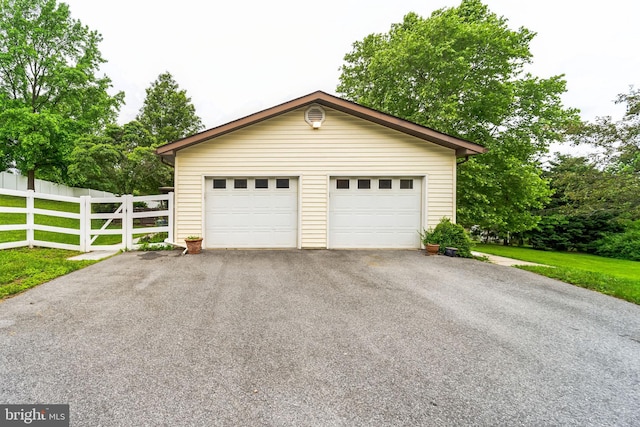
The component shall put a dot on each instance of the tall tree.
(462, 71)
(122, 158)
(167, 112)
(586, 204)
(584, 187)
(618, 160)
(48, 84)
(619, 140)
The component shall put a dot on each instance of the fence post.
(171, 216)
(30, 218)
(85, 222)
(127, 222)
(89, 224)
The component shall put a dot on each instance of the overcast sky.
(237, 57)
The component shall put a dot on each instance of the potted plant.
(194, 244)
(428, 240)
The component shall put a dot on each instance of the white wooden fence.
(123, 213)
(10, 181)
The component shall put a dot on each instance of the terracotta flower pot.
(194, 246)
(432, 249)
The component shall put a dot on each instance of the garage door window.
(239, 183)
(364, 184)
(282, 183)
(220, 184)
(342, 184)
(384, 184)
(262, 183)
(406, 184)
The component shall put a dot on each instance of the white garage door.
(375, 212)
(251, 212)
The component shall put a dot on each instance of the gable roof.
(461, 146)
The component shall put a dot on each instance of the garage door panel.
(375, 217)
(251, 217)
(264, 201)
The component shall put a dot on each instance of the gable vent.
(314, 116)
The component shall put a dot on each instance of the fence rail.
(121, 221)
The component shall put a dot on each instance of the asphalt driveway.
(320, 338)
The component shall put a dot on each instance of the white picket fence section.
(11, 181)
(124, 214)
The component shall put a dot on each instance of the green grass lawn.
(616, 277)
(8, 218)
(24, 268)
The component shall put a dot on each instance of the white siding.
(287, 146)
(314, 208)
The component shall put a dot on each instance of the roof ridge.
(462, 147)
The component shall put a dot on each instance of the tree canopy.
(167, 112)
(122, 159)
(49, 91)
(618, 140)
(462, 71)
(596, 202)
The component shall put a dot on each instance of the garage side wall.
(287, 146)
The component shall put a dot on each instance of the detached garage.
(314, 172)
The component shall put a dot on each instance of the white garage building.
(314, 172)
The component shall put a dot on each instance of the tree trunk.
(507, 239)
(31, 180)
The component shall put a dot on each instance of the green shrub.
(572, 232)
(446, 234)
(153, 238)
(625, 245)
(146, 246)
